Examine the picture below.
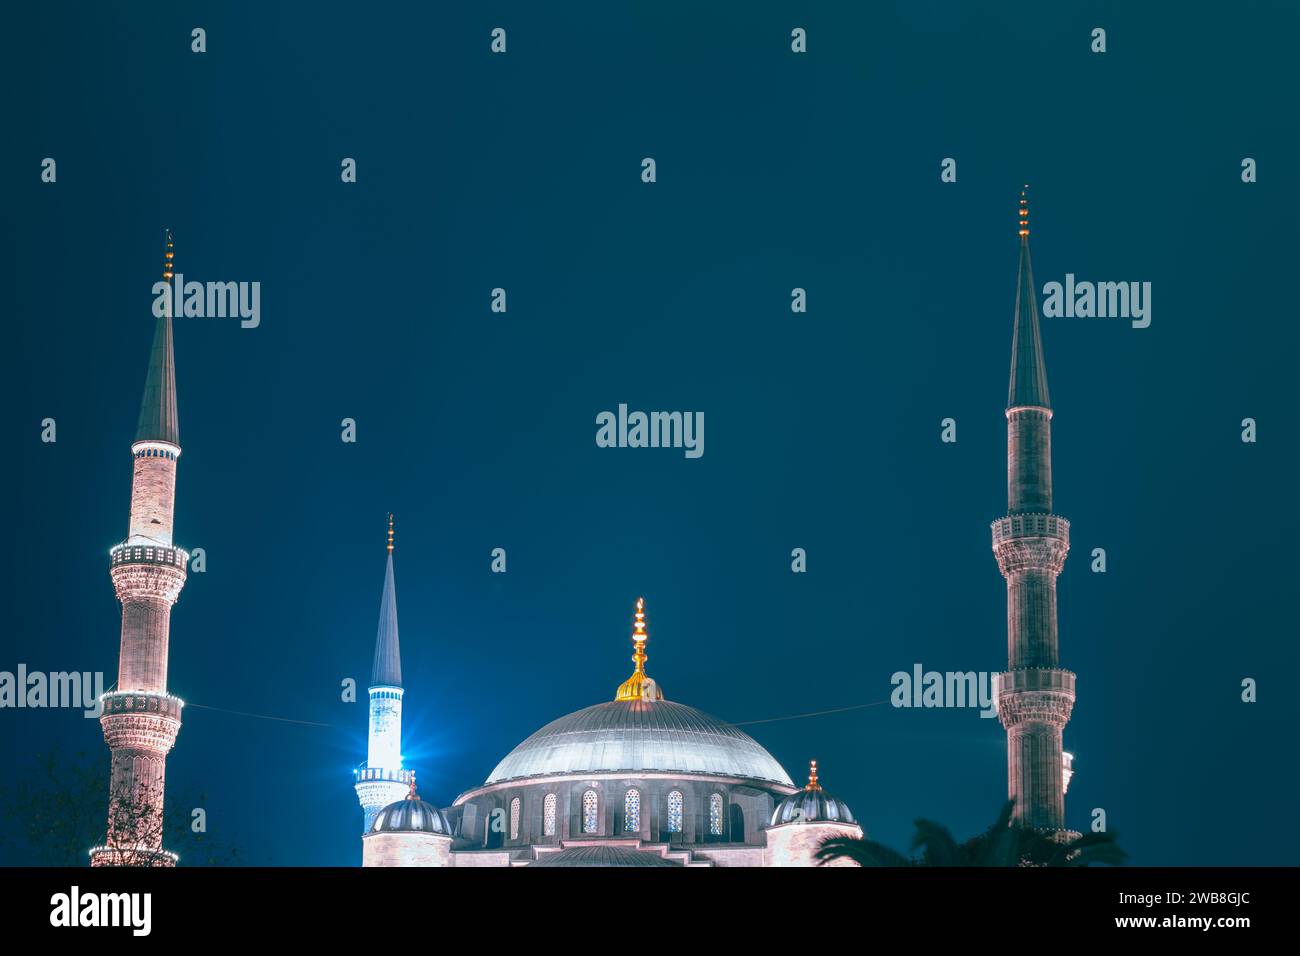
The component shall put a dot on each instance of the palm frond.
(936, 844)
(1003, 844)
(860, 850)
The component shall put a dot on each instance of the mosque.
(634, 781)
(645, 781)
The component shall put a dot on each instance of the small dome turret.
(812, 804)
(411, 815)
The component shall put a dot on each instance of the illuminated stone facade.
(796, 844)
(405, 849)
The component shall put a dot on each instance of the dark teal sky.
(774, 171)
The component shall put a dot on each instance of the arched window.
(548, 815)
(632, 810)
(736, 834)
(715, 814)
(514, 819)
(675, 811)
(590, 821)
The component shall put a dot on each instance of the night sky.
(775, 170)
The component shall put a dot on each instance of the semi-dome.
(812, 804)
(603, 856)
(410, 815)
(644, 734)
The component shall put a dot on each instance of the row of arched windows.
(631, 813)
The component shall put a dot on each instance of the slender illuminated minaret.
(1035, 696)
(140, 719)
(382, 780)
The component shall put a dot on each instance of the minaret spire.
(382, 780)
(1035, 696)
(387, 670)
(158, 419)
(168, 256)
(1028, 371)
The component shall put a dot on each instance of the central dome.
(628, 736)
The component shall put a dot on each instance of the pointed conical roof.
(1028, 372)
(388, 657)
(158, 418)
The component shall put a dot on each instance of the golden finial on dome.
(1024, 212)
(639, 686)
(390, 532)
(812, 776)
(167, 258)
(412, 795)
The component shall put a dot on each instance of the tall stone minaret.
(140, 719)
(1035, 696)
(382, 780)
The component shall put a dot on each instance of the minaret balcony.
(145, 570)
(1031, 542)
(377, 787)
(403, 777)
(148, 554)
(141, 720)
(1031, 525)
(1035, 695)
(137, 856)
